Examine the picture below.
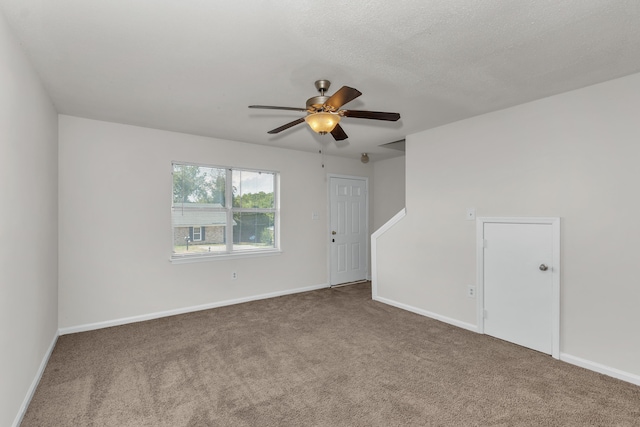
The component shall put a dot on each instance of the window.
(197, 234)
(221, 211)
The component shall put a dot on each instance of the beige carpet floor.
(331, 357)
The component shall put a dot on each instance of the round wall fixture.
(364, 158)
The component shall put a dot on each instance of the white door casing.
(348, 230)
(519, 281)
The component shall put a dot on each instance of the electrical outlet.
(234, 275)
(471, 291)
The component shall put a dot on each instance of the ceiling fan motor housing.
(316, 103)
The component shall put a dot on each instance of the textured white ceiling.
(194, 66)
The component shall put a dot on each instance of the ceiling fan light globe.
(322, 122)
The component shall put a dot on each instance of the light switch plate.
(315, 216)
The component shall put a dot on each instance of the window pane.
(253, 189)
(253, 230)
(197, 214)
(196, 234)
(199, 184)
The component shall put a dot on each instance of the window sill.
(223, 257)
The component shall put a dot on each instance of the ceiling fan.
(324, 113)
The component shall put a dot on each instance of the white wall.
(28, 226)
(115, 232)
(575, 156)
(388, 190)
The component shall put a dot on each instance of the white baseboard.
(159, 314)
(426, 313)
(602, 369)
(583, 363)
(35, 382)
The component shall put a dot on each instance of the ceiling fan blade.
(338, 133)
(287, 126)
(271, 107)
(375, 115)
(341, 97)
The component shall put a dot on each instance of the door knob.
(333, 232)
(543, 267)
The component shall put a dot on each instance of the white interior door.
(348, 230)
(518, 284)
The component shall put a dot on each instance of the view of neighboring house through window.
(222, 210)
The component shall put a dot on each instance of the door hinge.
(484, 243)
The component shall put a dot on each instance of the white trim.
(228, 209)
(159, 314)
(555, 270)
(224, 256)
(34, 384)
(449, 320)
(366, 203)
(337, 175)
(564, 357)
(374, 248)
(199, 234)
(602, 369)
(480, 274)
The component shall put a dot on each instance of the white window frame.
(199, 238)
(230, 252)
